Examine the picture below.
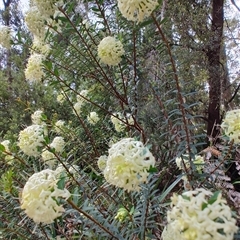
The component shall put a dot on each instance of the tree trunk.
(215, 69)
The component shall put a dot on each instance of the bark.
(215, 69)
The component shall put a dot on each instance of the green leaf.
(61, 182)
(2, 148)
(214, 197)
(169, 189)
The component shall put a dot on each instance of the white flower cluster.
(102, 162)
(40, 197)
(47, 156)
(110, 51)
(59, 126)
(58, 144)
(120, 125)
(80, 100)
(61, 97)
(61, 170)
(127, 164)
(36, 23)
(37, 117)
(34, 71)
(5, 37)
(198, 161)
(137, 10)
(231, 125)
(31, 139)
(93, 118)
(40, 47)
(46, 8)
(8, 157)
(198, 215)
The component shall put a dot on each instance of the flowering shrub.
(146, 95)
(231, 125)
(110, 51)
(40, 197)
(199, 214)
(137, 10)
(128, 164)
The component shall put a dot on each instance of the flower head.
(102, 162)
(110, 51)
(200, 214)
(137, 10)
(46, 8)
(58, 144)
(82, 94)
(35, 23)
(59, 125)
(49, 158)
(120, 125)
(40, 47)
(5, 37)
(77, 108)
(198, 161)
(34, 71)
(122, 214)
(128, 164)
(73, 169)
(37, 117)
(231, 125)
(40, 197)
(31, 139)
(93, 118)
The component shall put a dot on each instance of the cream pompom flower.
(40, 197)
(49, 158)
(58, 144)
(231, 125)
(128, 164)
(82, 94)
(200, 214)
(110, 51)
(73, 169)
(37, 117)
(5, 37)
(137, 10)
(34, 70)
(77, 108)
(119, 125)
(93, 118)
(31, 139)
(59, 126)
(198, 161)
(47, 8)
(36, 23)
(102, 162)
